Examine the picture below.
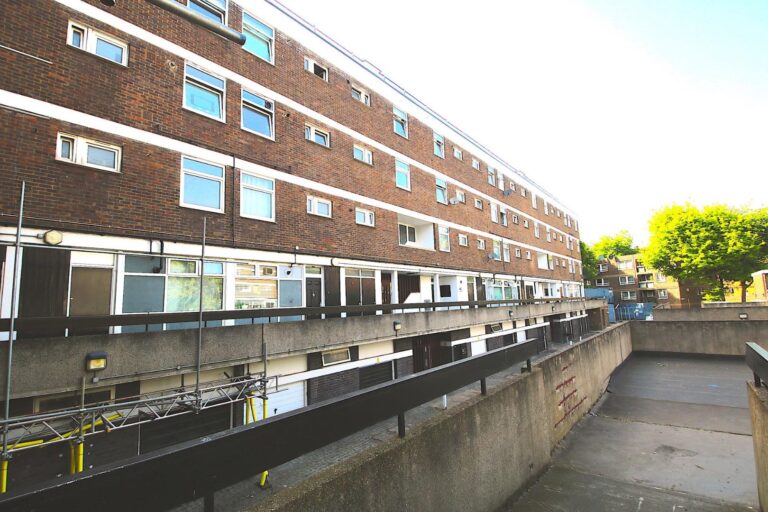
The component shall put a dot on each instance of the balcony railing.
(646, 284)
(83, 324)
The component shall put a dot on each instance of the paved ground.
(672, 434)
(243, 496)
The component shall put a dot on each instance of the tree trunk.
(744, 285)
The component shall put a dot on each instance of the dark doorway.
(406, 285)
(314, 290)
(386, 288)
(90, 294)
(43, 288)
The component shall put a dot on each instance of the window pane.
(411, 234)
(143, 294)
(257, 44)
(257, 203)
(183, 267)
(208, 12)
(257, 121)
(77, 38)
(66, 149)
(403, 231)
(109, 50)
(321, 138)
(256, 181)
(402, 179)
(358, 154)
(202, 167)
(257, 100)
(323, 208)
(102, 157)
(400, 127)
(214, 267)
(144, 265)
(202, 192)
(204, 77)
(202, 99)
(184, 293)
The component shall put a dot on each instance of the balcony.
(647, 285)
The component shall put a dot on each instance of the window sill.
(414, 246)
(201, 208)
(273, 221)
(99, 57)
(86, 166)
(317, 144)
(271, 139)
(207, 116)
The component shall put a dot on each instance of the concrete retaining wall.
(758, 408)
(478, 453)
(697, 337)
(729, 312)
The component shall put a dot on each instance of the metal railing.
(197, 469)
(757, 360)
(85, 323)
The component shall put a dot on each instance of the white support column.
(436, 288)
(395, 289)
(377, 287)
(342, 289)
(6, 281)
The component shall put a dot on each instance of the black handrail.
(757, 360)
(105, 321)
(197, 469)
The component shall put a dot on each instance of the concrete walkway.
(672, 433)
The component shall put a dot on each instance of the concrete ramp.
(672, 433)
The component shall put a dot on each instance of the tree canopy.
(619, 244)
(588, 261)
(709, 245)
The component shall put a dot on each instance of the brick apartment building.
(322, 183)
(633, 282)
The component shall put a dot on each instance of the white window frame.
(526, 224)
(438, 145)
(496, 251)
(444, 233)
(463, 240)
(626, 280)
(503, 217)
(364, 96)
(507, 255)
(528, 255)
(313, 201)
(518, 252)
(205, 85)
(629, 295)
(461, 197)
(79, 152)
(402, 117)
(261, 35)
(310, 66)
(213, 8)
(536, 230)
(491, 176)
(264, 110)
(340, 361)
(221, 181)
(475, 164)
(404, 168)
(367, 154)
(662, 294)
(602, 267)
(602, 282)
(408, 228)
(89, 40)
(481, 244)
(271, 192)
(515, 219)
(309, 134)
(534, 201)
(478, 203)
(441, 184)
(494, 213)
(458, 154)
(369, 216)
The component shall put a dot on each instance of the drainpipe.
(198, 19)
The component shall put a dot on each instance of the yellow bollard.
(3, 476)
(80, 447)
(265, 413)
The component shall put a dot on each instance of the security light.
(96, 361)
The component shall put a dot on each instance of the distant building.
(757, 292)
(633, 282)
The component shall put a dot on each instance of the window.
(318, 206)
(481, 244)
(475, 164)
(525, 223)
(522, 191)
(402, 175)
(478, 204)
(602, 267)
(317, 136)
(660, 278)
(625, 265)
(89, 153)
(258, 115)
(443, 238)
(438, 142)
(337, 356)
(528, 255)
(257, 197)
(496, 253)
(400, 122)
(629, 295)
(202, 185)
(461, 196)
(500, 181)
(549, 236)
(215, 10)
(362, 154)
(361, 96)
(259, 38)
(546, 208)
(98, 43)
(491, 176)
(463, 240)
(536, 231)
(457, 153)
(494, 213)
(315, 68)
(534, 202)
(204, 93)
(441, 191)
(507, 256)
(515, 219)
(663, 294)
(407, 234)
(503, 217)
(518, 252)
(600, 281)
(625, 280)
(365, 217)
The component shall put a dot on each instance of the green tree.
(710, 245)
(588, 261)
(619, 244)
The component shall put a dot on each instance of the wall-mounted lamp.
(511, 313)
(109, 3)
(96, 361)
(743, 316)
(51, 237)
(553, 308)
(397, 326)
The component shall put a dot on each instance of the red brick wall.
(143, 199)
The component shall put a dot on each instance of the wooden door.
(43, 288)
(386, 288)
(313, 294)
(90, 294)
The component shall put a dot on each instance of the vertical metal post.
(11, 329)
(483, 386)
(401, 424)
(208, 501)
(200, 318)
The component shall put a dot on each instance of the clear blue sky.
(617, 107)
